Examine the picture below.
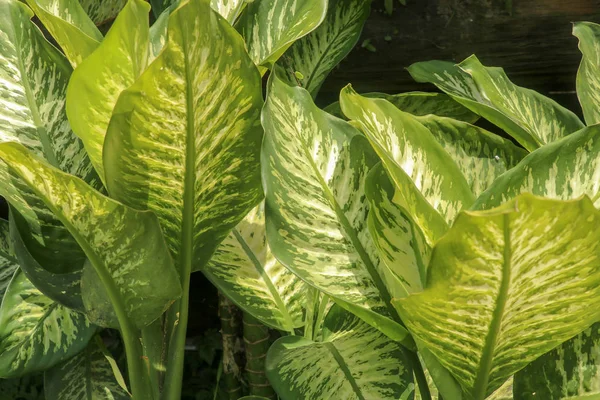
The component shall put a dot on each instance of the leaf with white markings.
(480, 155)
(69, 25)
(314, 170)
(588, 81)
(532, 119)
(244, 269)
(572, 369)
(8, 262)
(125, 247)
(270, 27)
(184, 140)
(418, 103)
(533, 284)
(87, 376)
(316, 54)
(429, 184)
(35, 332)
(99, 80)
(101, 11)
(564, 170)
(354, 362)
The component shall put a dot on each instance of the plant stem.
(138, 377)
(256, 343)
(419, 375)
(153, 346)
(230, 327)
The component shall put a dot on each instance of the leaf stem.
(419, 375)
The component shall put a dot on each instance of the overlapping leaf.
(8, 262)
(428, 183)
(125, 247)
(314, 170)
(184, 140)
(354, 361)
(244, 269)
(532, 119)
(99, 80)
(588, 81)
(90, 375)
(101, 11)
(316, 54)
(570, 370)
(565, 169)
(270, 27)
(506, 286)
(418, 103)
(37, 333)
(69, 25)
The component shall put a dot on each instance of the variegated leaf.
(270, 27)
(125, 247)
(565, 169)
(507, 285)
(183, 143)
(99, 80)
(532, 119)
(400, 242)
(314, 169)
(69, 25)
(159, 6)
(8, 261)
(229, 9)
(480, 155)
(418, 103)
(316, 54)
(101, 11)
(572, 369)
(35, 332)
(588, 76)
(429, 184)
(244, 269)
(353, 362)
(87, 376)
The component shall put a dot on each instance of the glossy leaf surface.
(535, 275)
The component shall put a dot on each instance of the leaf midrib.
(270, 286)
(487, 357)
(344, 367)
(385, 295)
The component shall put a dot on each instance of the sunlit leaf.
(588, 81)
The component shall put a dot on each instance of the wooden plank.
(531, 39)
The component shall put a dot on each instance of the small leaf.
(494, 302)
(35, 332)
(270, 27)
(532, 119)
(87, 376)
(354, 361)
(588, 83)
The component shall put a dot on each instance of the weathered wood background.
(531, 39)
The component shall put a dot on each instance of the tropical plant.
(385, 247)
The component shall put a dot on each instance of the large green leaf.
(480, 155)
(354, 362)
(90, 375)
(69, 25)
(588, 81)
(314, 170)
(99, 80)
(428, 183)
(565, 169)
(418, 103)
(35, 332)
(184, 140)
(532, 119)
(572, 369)
(101, 11)
(507, 285)
(244, 269)
(270, 27)
(316, 54)
(125, 247)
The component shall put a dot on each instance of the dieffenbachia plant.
(402, 251)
